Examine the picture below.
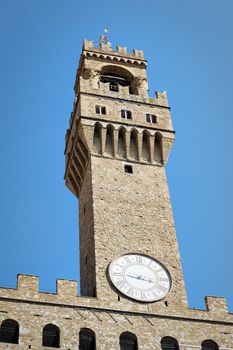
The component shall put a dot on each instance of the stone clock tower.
(117, 147)
(132, 288)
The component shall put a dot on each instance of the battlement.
(216, 304)
(28, 288)
(106, 48)
(67, 293)
(30, 283)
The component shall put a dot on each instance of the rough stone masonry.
(117, 145)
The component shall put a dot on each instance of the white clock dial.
(140, 277)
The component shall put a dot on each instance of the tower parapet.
(121, 51)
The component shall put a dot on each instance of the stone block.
(66, 288)
(216, 304)
(27, 282)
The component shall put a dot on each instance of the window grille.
(51, 336)
(9, 332)
(86, 339)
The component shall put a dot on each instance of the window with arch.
(128, 341)
(117, 78)
(97, 147)
(121, 147)
(87, 339)
(51, 336)
(109, 142)
(146, 147)
(133, 151)
(209, 345)
(158, 148)
(169, 343)
(9, 332)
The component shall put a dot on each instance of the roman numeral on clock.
(120, 284)
(127, 259)
(130, 292)
(161, 288)
(163, 279)
(117, 274)
(139, 259)
(143, 295)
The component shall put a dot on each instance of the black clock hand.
(140, 277)
(146, 279)
(133, 276)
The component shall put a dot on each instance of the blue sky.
(188, 45)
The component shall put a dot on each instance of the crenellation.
(27, 283)
(138, 53)
(88, 45)
(216, 304)
(105, 51)
(122, 51)
(161, 98)
(66, 288)
(66, 294)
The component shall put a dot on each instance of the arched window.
(115, 77)
(128, 341)
(86, 339)
(9, 332)
(133, 145)
(51, 336)
(109, 141)
(97, 139)
(169, 343)
(146, 147)
(209, 345)
(121, 148)
(158, 148)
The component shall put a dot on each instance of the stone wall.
(33, 310)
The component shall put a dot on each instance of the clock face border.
(158, 263)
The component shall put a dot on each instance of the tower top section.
(115, 74)
(136, 57)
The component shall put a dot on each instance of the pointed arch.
(9, 332)
(97, 147)
(209, 344)
(51, 336)
(128, 341)
(169, 343)
(109, 142)
(158, 148)
(146, 146)
(133, 151)
(87, 339)
(121, 146)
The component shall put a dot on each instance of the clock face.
(140, 277)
